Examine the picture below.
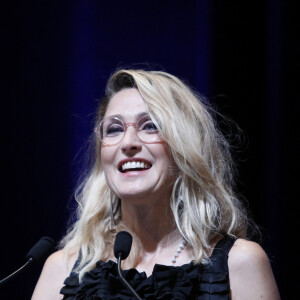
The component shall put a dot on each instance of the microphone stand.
(30, 260)
(125, 282)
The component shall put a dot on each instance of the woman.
(162, 172)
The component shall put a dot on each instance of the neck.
(152, 223)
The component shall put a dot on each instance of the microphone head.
(122, 244)
(41, 249)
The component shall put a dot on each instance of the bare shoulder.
(56, 268)
(250, 272)
(244, 251)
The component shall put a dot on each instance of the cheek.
(107, 159)
(107, 165)
(167, 162)
(173, 172)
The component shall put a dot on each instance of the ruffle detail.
(188, 281)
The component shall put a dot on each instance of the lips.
(134, 165)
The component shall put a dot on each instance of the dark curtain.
(56, 57)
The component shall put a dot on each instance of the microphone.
(40, 250)
(122, 249)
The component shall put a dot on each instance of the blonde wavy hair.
(202, 201)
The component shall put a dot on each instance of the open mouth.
(130, 166)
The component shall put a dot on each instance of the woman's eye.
(114, 129)
(149, 126)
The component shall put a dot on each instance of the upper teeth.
(134, 165)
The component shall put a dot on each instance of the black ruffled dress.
(189, 281)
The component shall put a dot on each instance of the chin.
(134, 195)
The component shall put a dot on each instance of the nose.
(131, 142)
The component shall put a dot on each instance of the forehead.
(127, 103)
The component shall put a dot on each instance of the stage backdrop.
(57, 57)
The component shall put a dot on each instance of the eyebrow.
(118, 116)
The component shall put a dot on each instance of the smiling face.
(135, 170)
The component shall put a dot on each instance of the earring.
(111, 212)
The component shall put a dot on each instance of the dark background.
(56, 57)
